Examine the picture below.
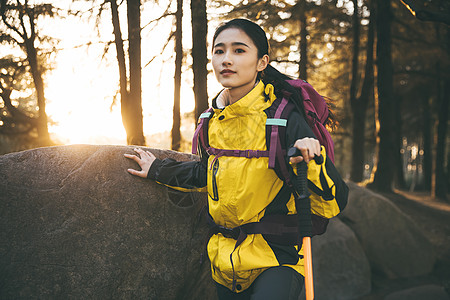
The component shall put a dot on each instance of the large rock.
(393, 243)
(432, 292)
(75, 224)
(340, 267)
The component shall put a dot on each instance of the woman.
(244, 190)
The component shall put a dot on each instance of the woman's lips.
(227, 72)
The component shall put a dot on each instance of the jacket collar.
(254, 100)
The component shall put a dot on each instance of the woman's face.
(235, 60)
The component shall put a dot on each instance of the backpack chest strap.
(236, 153)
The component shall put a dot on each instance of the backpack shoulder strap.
(202, 130)
(276, 123)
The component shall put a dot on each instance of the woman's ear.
(263, 62)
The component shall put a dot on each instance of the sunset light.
(224, 149)
(83, 103)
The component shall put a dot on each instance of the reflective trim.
(279, 122)
(205, 115)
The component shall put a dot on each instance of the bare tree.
(199, 54)
(19, 19)
(15, 120)
(176, 134)
(383, 174)
(439, 182)
(303, 63)
(130, 89)
(134, 106)
(359, 104)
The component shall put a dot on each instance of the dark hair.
(270, 74)
(253, 31)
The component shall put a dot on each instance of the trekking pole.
(303, 206)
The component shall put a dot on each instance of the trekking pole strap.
(302, 203)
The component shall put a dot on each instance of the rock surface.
(340, 267)
(75, 224)
(392, 241)
(432, 292)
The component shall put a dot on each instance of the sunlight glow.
(81, 88)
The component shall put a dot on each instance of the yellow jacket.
(243, 190)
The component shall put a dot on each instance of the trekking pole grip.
(303, 203)
(303, 206)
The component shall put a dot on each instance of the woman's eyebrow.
(233, 44)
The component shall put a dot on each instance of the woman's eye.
(218, 51)
(239, 50)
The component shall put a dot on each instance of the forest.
(383, 63)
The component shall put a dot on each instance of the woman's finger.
(136, 173)
(133, 157)
(296, 159)
(150, 154)
(317, 147)
(145, 154)
(139, 151)
(306, 154)
(133, 172)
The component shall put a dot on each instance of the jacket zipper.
(214, 181)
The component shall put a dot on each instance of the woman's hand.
(144, 160)
(309, 147)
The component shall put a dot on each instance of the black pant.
(280, 283)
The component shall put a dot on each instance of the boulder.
(75, 224)
(431, 291)
(340, 267)
(393, 243)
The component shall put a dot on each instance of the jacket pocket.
(212, 182)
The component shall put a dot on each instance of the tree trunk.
(124, 95)
(399, 174)
(440, 182)
(136, 136)
(199, 55)
(42, 124)
(176, 135)
(36, 73)
(383, 172)
(303, 63)
(359, 105)
(357, 160)
(427, 149)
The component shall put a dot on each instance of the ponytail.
(278, 80)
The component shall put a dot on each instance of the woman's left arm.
(324, 179)
(184, 176)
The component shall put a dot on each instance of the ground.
(433, 217)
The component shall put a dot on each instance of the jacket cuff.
(152, 172)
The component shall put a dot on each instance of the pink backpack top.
(316, 110)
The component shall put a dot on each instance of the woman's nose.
(226, 59)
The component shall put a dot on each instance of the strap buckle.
(229, 232)
(251, 153)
